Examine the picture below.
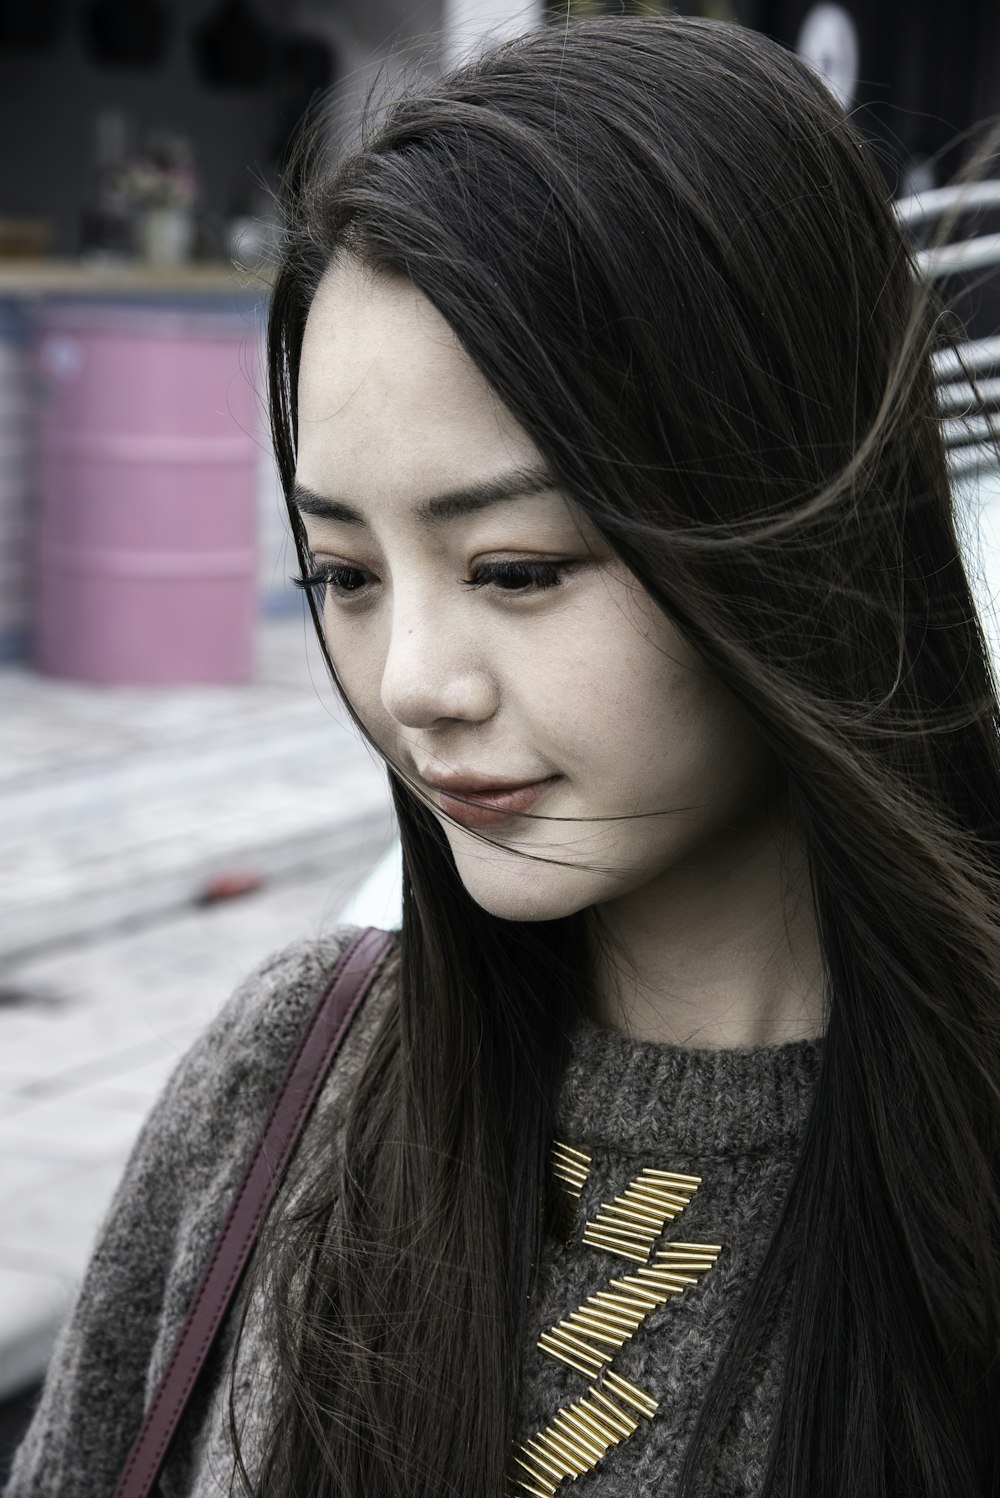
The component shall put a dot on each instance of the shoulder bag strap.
(297, 1091)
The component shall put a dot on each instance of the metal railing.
(967, 377)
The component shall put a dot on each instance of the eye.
(352, 583)
(517, 577)
(342, 581)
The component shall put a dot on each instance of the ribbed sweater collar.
(641, 1097)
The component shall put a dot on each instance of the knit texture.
(732, 1117)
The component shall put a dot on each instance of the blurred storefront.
(145, 139)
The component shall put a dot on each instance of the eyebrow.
(518, 483)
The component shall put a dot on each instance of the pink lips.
(485, 803)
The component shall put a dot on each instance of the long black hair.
(666, 249)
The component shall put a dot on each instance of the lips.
(477, 802)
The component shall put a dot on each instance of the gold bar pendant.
(670, 1189)
(632, 1217)
(612, 1246)
(571, 1460)
(598, 1433)
(635, 1202)
(575, 1188)
(575, 1154)
(574, 1452)
(683, 1261)
(585, 1317)
(634, 1244)
(593, 1440)
(631, 1393)
(573, 1168)
(662, 1274)
(581, 1330)
(544, 1462)
(654, 1201)
(668, 1280)
(538, 1473)
(661, 1203)
(586, 1339)
(613, 1320)
(613, 1339)
(568, 1361)
(615, 1415)
(648, 1173)
(587, 1364)
(635, 1310)
(609, 1229)
(670, 1256)
(624, 1228)
(576, 1340)
(547, 1492)
(642, 1290)
(618, 1252)
(567, 1161)
(525, 1487)
(638, 1293)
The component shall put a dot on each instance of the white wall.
(469, 24)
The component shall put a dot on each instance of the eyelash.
(509, 577)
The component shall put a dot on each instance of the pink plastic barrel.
(145, 545)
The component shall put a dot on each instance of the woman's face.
(487, 637)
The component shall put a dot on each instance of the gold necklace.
(586, 1340)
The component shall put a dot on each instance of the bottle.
(107, 222)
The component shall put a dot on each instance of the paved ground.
(117, 808)
(115, 801)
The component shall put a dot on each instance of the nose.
(434, 672)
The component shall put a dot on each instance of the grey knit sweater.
(635, 1298)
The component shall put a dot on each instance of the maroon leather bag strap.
(318, 1044)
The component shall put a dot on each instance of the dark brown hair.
(666, 249)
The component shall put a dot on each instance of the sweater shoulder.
(167, 1210)
(233, 1068)
(199, 1133)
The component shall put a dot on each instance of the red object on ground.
(229, 887)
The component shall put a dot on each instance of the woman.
(662, 1157)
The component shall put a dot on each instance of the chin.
(514, 886)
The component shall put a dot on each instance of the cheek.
(358, 660)
(707, 755)
(606, 682)
(642, 715)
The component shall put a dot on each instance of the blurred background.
(179, 792)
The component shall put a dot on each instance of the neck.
(721, 950)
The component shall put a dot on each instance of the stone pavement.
(114, 800)
(118, 808)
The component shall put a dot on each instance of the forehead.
(387, 396)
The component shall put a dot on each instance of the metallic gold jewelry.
(570, 1168)
(631, 1223)
(586, 1340)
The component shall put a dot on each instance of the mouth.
(485, 804)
